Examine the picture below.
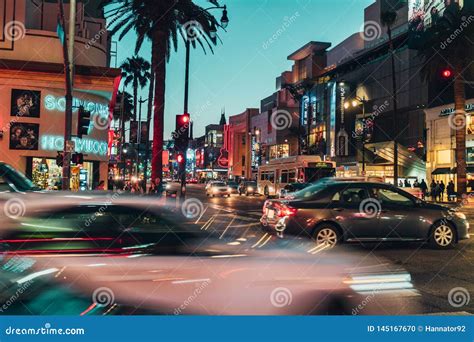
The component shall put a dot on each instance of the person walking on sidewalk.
(450, 191)
(423, 188)
(441, 191)
(433, 190)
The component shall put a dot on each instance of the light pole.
(139, 135)
(356, 102)
(212, 34)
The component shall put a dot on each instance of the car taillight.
(285, 211)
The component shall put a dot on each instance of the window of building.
(279, 151)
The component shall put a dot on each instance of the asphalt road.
(434, 273)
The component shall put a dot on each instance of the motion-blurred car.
(248, 188)
(233, 187)
(217, 188)
(331, 212)
(11, 180)
(196, 278)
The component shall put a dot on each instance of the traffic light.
(180, 158)
(59, 159)
(78, 158)
(446, 73)
(181, 134)
(83, 122)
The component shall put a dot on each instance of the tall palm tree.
(439, 51)
(135, 71)
(388, 19)
(161, 22)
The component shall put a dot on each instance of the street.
(434, 272)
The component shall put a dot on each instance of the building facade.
(32, 89)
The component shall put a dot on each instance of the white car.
(218, 189)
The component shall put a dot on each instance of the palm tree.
(135, 71)
(161, 22)
(388, 19)
(439, 51)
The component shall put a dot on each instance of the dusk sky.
(243, 69)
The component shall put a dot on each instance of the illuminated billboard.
(422, 13)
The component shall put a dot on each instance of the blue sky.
(243, 69)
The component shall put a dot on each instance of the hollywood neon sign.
(54, 103)
(88, 146)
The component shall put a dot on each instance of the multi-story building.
(32, 89)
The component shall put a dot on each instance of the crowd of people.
(436, 190)
(139, 187)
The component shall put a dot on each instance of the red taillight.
(285, 211)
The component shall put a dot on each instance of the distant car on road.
(217, 188)
(233, 187)
(331, 212)
(248, 188)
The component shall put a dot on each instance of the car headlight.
(215, 190)
(229, 189)
(460, 215)
(249, 188)
(168, 186)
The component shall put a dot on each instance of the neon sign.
(59, 104)
(56, 143)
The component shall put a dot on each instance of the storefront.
(441, 144)
(32, 122)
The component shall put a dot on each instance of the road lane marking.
(225, 230)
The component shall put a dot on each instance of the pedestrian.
(407, 184)
(438, 191)
(433, 190)
(450, 191)
(441, 190)
(152, 190)
(424, 188)
(136, 189)
(100, 186)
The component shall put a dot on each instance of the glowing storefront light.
(56, 143)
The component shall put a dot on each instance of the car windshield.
(232, 184)
(311, 190)
(218, 184)
(18, 179)
(251, 184)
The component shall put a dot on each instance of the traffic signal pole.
(182, 165)
(66, 172)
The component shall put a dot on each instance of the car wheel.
(326, 234)
(443, 236)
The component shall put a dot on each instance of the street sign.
(70, 146)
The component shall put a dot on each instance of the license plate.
(270, 213)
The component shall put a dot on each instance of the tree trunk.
(148, 120)
(159, 69)
(460, 129)
(135, 95)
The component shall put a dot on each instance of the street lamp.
(357, 101)
(224, 19)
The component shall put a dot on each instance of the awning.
(469, 169)
(406, 158)
(442, 171)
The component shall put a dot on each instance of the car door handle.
(338, 209)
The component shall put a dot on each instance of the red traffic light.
(446, 73)
(185, 118)
(180, 158)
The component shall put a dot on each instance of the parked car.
(233, 187)
(332, 212)
(248, 188)
(217, 189)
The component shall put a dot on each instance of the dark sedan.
(332, 212)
